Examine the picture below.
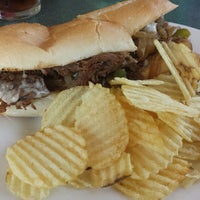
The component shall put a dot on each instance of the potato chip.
(147, 98)
(125, 81)
(187, 127)
(82, 181)
(169, 87)
(23, 190)
(157, 186)
(61, 110)
(152, 144)
(147, 161)
(116, 171)
(190, 178)
(173, 142)
(104, 177)
(49, 158)
(143, 129)
(184, 56)
(190, 151)
(187, 63)
(166, 54)
(194, 103)
(192, 87)
(102, 121)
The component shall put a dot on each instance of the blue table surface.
(60, 11)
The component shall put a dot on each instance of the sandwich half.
(36, 62)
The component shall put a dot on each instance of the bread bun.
(34, 34)
(20, 47)
(27, 46)
(133, 15)
(82, 39)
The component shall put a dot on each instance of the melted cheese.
(11, 93)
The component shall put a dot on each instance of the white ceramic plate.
(12, 129)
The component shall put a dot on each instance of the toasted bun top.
(81, 39)
(26, 46)
(20, 46)
(133, 15)
(33, 34)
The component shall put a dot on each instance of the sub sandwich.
(36, 62)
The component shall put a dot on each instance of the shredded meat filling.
(97, 69)
(21, 88)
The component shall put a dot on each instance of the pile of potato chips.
(140, 137)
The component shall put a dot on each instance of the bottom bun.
(29, 111)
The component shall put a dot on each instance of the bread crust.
(34, 34)
(133, 15)
(32, 47)
(20, 47)
(82, 39)
(27, 46)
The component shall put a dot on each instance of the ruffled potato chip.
(168, 57)
(169, 87)
(49, 158)
(147, 98)
(116, 171)
(194, 103)
(24, 190)
(158, 185)
(102, 122)
(187, 127)
(191, 177)
(190, 151)
(62, 109)
(82, 181)
(125, 81)
(188, 60)
(152, 144)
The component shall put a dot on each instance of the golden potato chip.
(61, 110)
(194, 103)
(49, 158)
(117, 170)
(185, 62)
(152, 145)
(166, 54)
(125, 81)
(187, 127)
(173, 142)
(190, 151)
(143, 130)
(104, 177)
(147, 98)
(169, 87)
(101, 120)
(184, 56)
(157, 186)
(148, 161)
(23, 190)
(191, 86)
(82, 181)
(190, 178)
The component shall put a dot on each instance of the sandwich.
(37, 62)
